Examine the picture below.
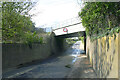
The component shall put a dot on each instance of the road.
(54, 67)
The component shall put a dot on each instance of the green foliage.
(48, 33)
(32, 38)
(100, 17)
(70, 41)
(111, 32)
(17, 26)
(82, 39)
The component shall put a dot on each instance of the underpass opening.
(70, 39)
(79, 40)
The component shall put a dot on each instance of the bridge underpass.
(70, 31)
(57, 66)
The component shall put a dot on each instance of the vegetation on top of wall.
(32, 38)
(101, 18)
(17, 26)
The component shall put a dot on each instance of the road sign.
(65, 30)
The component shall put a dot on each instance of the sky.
(49, 12)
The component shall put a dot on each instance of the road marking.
(20, 73)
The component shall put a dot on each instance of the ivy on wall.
(101, 18)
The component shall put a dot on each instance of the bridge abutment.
(58, 44)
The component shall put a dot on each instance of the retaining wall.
(16, 54)
(103, 55)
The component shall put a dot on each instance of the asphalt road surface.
(55, 67)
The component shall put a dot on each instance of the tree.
(16, 21)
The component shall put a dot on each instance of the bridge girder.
(76, 34)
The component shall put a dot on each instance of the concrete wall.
(103, 55)
(119, 56)
(57, 44)
(16, 54)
